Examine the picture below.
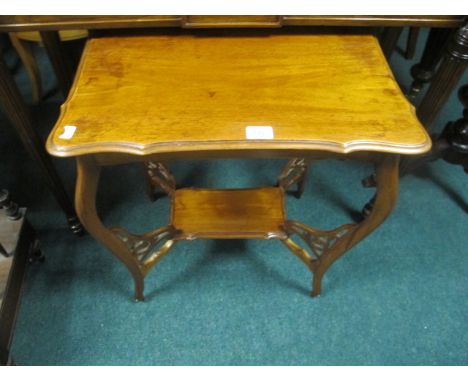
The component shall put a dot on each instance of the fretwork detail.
(317, 240)
(159, 176)
(147, 248)
(294, 172)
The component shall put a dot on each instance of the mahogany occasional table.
(303, 97)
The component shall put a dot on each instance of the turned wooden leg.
(85, 202)
(327, 246)
(424, 71)
(451, 69)
(294, 172)
(25, 53)
(454, 138)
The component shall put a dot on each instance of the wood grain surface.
(229, 214)
(157, 94)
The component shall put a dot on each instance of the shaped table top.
(171, 94)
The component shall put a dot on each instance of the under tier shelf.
(229, 214)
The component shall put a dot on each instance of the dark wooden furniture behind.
(18, 246)
(451, 145)
(20, 116)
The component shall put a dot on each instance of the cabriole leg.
(85, 202)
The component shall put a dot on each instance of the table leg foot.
(316, 286)
(139, 287)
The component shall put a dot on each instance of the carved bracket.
(294, 172)
(318, 241)
(158, 175)
(150, 247)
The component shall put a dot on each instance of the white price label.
(259, 132)
(68, 132)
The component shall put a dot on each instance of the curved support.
(387, 191)
(85, 202)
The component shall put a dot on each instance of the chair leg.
(60, 64)
(25, 53)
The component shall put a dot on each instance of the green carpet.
(399, 298)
